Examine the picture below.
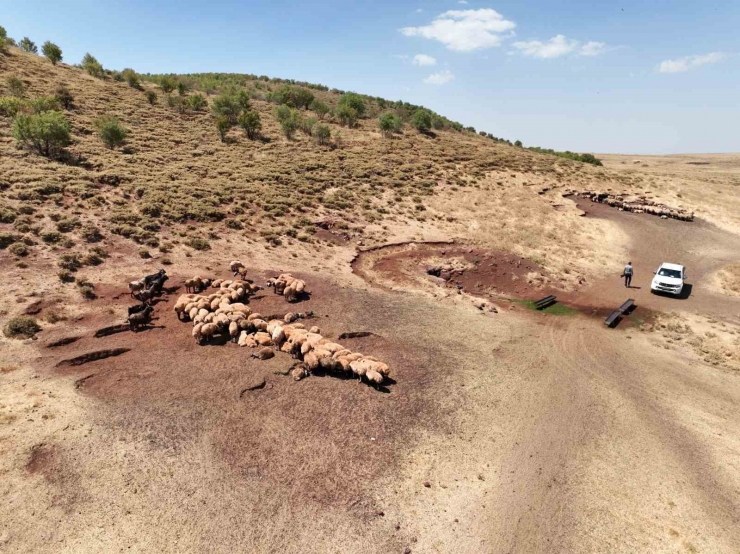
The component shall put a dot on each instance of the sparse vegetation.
(322, 134)
(130, 76)
(251, 122)
(111, 132)
(64, 97)
(52, 52)
(27, 45)
(151, 97)
(16, 88)
(92, 66)
(197, 102)
(168, 84)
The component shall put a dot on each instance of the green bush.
(18, 249)
(70, 262)
(151, 97)
(92, 66)
(27, 45)
(130, 76)
(144, 253)
(518, 144)
(65, 276)
(319, 108)
(51, 237)
(3, 38)
(16, 87)
(294, 97)
(230, 104)
(67, 225)
(251, 122)
(422, 120)
(306, 125)
(111, 131)
(197, 102)
(322, 134)
(389, 123)
(182, 88)
(347, 115)
(91, 233)
(354, 101)
(47, 132)
(10, 106)
(198, 243)
(52, 52)
(64, 97)
(283, 113)
(177, 103)
(44, 104)
(222, 126)
(288, 119)
(21, 327)
(168, 84)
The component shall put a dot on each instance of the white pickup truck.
(669, 278)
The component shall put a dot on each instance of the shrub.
(51, 237)
(230, 105)
(92, 66)
(151, 97)
(44, 104)
(6, 239)
(52, 52)
(27, 45)
(283, 113)
(10, 106)
(422, 120)
(166, 261)
(197, 102)
(354, 101)
(177, 103)
(182, 88)
(144, 253)
(251, 122)
(222, 126)
(438, 123)
(70, 262)
(18, 249)
(91, 233)
(347, 115)
(389, 123)
(306, 124)
(16, 87)
(130, 76)
(168, 84)
(198, 243)
(87, 289)
(21, 327)
(322, 133)
(111, 131)
(518, 144)
(319, 108)
(3, 38)
(67, 225)
(64, 97)
(294, 97)
(47, 133)
(65, 276)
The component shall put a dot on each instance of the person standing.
(627, 274)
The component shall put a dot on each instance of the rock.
(493, 309)
(407, 550)
(427, 484)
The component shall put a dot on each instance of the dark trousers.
(627, 280)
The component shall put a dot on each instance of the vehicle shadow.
(685, 292)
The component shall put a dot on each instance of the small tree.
(518, 144)
(47, 132)
(438, 123)
(389, 123)
(319, 108)
(322, 134)
(92, 66)
(354, 101)
(52, 52)
(288, 120)
(168, 83)
(422, 120)
(111, 132)
(228, 106)
(197, 102)
(251, 122)
(347, 115)
(3, 38)
(16, 87)
(131, 78)
(27, 45)
(282, 113)
(182, 88)
(10, 106)
(151, 97)
(222, 126)
(306, 124)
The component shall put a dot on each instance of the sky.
(636, 77)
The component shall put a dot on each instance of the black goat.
(149, 279)
(141, 318)
(138, 308)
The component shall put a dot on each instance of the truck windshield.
(673, 273)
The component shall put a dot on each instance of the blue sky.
(631, 77)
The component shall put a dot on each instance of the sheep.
(260, 324)
(217, 283)
(192, 313)
(233, 330)
(374, 377)
(135, 287)
(236, 266)
(299, 372)
(207, 331)
(290, 317)
(255, 315)
(315, 329)
(278, 335)
(196, 332)
(181, 306)
(194, 284)
(262, 338)
(263, 354)
(141, 318)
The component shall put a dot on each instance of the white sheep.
(136, 286)
(234, 330)
(236, 267)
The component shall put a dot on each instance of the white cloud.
(462, 1)
(423, 59)
(464, 30)
(690, 62)
(557, 46)
(439, 78)
(419, 10)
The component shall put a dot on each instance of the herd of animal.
(224, 313)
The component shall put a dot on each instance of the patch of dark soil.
(79, 383)
(38, 306)
(476, 271)
(92, 357)
(64, 341)
(334, 237)
(42, 458)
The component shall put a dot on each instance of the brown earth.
(514, 431)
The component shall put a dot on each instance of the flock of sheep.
(224, 313)
(144, 290)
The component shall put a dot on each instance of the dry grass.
(727, 280)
